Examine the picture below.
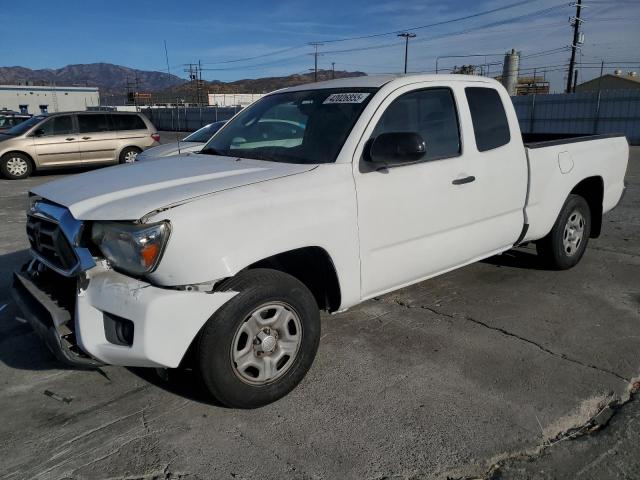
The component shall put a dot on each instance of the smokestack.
(510, 71)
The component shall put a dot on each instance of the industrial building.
(616, 81)
(47, 99)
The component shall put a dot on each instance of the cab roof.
(377, 81)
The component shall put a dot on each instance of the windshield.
(24, 126)
(205, 133)
(307, 126)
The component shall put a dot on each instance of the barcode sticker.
(346, 98)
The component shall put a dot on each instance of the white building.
(233, 99)
(47, 99)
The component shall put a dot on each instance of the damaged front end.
(47, 301)
(45, 289)
(89, 314)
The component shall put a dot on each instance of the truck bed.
(558, 163)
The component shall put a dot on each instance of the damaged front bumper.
(105, 317)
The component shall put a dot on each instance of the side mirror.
(397, 148)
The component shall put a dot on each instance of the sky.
(251, 39)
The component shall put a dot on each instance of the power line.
(435, 24)
(395, 32)
(246, 59)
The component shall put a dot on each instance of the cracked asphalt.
(487, 371)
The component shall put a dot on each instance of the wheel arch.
(592, 190)
(314, 267)
(34, 165)
(124, 147)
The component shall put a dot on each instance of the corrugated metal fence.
(187, 119)
(607, 111)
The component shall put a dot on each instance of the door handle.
(69, 139)
(462, 181)
(86, 138)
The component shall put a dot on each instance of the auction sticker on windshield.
(346, 98)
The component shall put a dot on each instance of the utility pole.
(574, 45)
(166, 57)
(315, 54)
(192, 70)
(199, 82)
(135, 94)
(333, 70)
(406, 36)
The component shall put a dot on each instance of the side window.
(430, 113)
(128, 122)
(489, 119)
(93, 123)
(58, 125)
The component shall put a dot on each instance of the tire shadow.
(521, 257)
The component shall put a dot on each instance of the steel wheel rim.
(266, 343)
(573, 233)
(17, 166)
(130, 156)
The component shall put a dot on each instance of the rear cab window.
(490, 124)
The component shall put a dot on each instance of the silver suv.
(74, 139)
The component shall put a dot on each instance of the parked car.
(72, 139)
(9, 119)
(190, 144)
(222, 260)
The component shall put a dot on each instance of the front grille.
(50, 244)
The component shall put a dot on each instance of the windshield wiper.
(213, 151)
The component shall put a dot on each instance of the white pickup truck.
(222, 260)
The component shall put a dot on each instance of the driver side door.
(412, 217)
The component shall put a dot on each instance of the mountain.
(106, 76)
(187, 91)
(115, 80)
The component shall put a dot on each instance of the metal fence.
(607, 111)
(187, 119)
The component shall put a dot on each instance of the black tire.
(552, 249)
(126, 152)
(217, 370)
(10, 162)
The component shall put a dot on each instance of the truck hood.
(168, 149)
(129, 192)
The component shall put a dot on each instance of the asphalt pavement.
(501, 369)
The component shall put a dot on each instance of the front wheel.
(564, 246)
(15, 166)
(259, 345)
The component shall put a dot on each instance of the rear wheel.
(259, 345)
(129, 154)
(564, 246)
(15, 166)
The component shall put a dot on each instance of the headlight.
(133, 248)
